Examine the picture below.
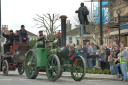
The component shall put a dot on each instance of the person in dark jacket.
(10, 41)
(7, 37)
(23, 35)
(116, 51)
(102, 55)
(107, 55)
(84, 52)
(17, 35)
(117, 41)
(42, 37)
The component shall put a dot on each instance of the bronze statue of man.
(82, 14)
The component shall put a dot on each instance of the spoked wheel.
(53, 67)
(5, 67)
(61, 72)
(31, 64)
(21, 70)
(78, 68)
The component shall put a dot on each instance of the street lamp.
(119, 12)
(101, 36)
(0, 25)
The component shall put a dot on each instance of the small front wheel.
(5, 67)
(78, 68)
(53, 67)
(21, 70)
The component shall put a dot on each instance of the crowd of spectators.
(115, 58)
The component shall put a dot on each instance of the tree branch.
(48, 22)
(56, 27)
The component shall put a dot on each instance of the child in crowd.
(111, 63)
(79, 50)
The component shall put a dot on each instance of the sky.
(17, 12)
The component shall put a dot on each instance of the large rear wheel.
(61, 72)
(79, 68)
(53, 67)
(31, 64)
(5, 67)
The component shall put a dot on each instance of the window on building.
(70, 39)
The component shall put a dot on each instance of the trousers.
(21, 39)
(7, 46)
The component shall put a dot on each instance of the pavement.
(91, 76)
(15, 79)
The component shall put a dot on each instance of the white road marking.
(94, 80)
(24, 79)
(4, 79)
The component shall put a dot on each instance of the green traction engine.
(54, 59)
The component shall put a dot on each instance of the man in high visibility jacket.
(122, 57)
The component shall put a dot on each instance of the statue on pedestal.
(82, 14)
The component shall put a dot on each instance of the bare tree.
(47, 22)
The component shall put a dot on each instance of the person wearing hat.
(10, 41)
(41, 37)
(23, 35)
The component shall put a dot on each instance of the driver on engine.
(42, 37)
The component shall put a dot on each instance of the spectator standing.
(79, 50)
(97, 47)
(102, 55)
(121, 42)
(111, 63)
(107, 55)
(123, 62)
(89, 55)
(117, 41)
(116, 51)
(84, 52)
(94, 53)
(94, 48)
(113, 49)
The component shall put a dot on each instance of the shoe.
(125, 80)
